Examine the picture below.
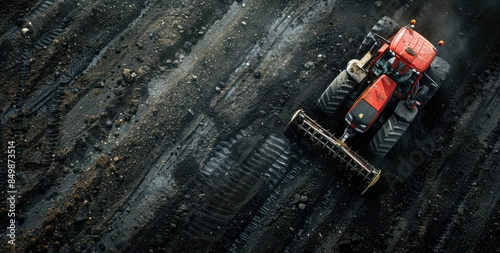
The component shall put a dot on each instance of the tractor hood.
(415, 50)
(369, 105)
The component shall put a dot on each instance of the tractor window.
(395, 68)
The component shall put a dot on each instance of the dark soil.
(156, 126)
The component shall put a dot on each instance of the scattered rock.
(118, 92)
(303, 75)
(309, 65)
(296, 198)
(66, 170)
(172, 225)
(128, 75)
(244, 23)
(108, 123)
(257, 74)
(304, 198)
(188, 46)
(133, 110)
(302, 206)
(134, 102)
(320, 58)
(183, 207)
(379, 4)
(176, 63)
(181, 56)
(99, 85)
(141, 72)
(102, 161)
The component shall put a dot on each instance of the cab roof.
(415, 50)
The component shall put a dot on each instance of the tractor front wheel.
(438, 71)
(336, 93)
(385, 27)
(387, 136)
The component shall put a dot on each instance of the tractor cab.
(392, 66)
(405, 59)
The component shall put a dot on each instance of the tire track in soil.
(469, 144)
(40, 19)
(280, 178)
(234, 189)
(473, 211)
(55, 93)
(294, 213)
(229, 180)
(52, 130)
(157, 186)
(276, 35)
(439, 193)
(481, 187)
(17, 131)
(312, 231)
(34, 15)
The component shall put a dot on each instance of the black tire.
(385, 27)
(387, 136)
(438, 71)
(336, 93)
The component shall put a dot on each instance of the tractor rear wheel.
(438, 71)
(385, 27)
(336, 93)
(387, 136)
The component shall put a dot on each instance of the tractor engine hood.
(369, 105)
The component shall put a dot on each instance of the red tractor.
(397, 75)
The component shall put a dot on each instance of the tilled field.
(156, 125)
